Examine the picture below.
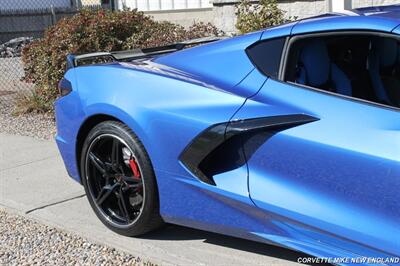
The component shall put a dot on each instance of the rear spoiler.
(73, 60)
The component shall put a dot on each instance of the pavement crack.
(28, 163)
(54, 203)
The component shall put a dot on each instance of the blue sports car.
(288, 136)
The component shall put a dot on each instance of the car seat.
(384, 60)
(316, 69)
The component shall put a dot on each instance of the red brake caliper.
(135, 168)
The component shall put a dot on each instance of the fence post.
(78, 4)
(53, 15)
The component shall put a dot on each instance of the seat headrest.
(316, 61)
(388, 52)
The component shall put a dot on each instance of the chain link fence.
(21, 21)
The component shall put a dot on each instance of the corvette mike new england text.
(356, 260)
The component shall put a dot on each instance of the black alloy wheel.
(119, 180)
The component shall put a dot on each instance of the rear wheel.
(119, 180)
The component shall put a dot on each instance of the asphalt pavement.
(34, 183)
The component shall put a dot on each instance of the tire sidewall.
(150, 186)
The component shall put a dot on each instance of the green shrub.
(90, 31)
(162, 33)
(252, 17)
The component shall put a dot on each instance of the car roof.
(381, 18)
(391, 11)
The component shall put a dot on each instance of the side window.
(362, 66)
(266, 56)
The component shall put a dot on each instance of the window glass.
(266, 56)
(359, 66)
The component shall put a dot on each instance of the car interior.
(361, 66)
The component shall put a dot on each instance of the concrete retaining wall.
(185, 17)
(303, 9)
(225, 18)
(365, 3)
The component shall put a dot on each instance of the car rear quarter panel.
(166, 113)
(223, 63)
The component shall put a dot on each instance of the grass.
(31, 102)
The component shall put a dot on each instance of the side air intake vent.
(218, 149)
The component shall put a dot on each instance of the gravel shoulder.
(24, 241)
(41, 126)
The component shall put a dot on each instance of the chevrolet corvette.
(287, 136)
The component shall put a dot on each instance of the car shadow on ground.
(180, 233)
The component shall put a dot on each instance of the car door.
(326, 170)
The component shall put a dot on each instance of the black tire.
(147, 218)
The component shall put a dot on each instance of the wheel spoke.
(121, 169)
(130, 180)
(131, 183)
(105, 193)
(97, 163)
(122, 205)
(115, 153)
(134, 187)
